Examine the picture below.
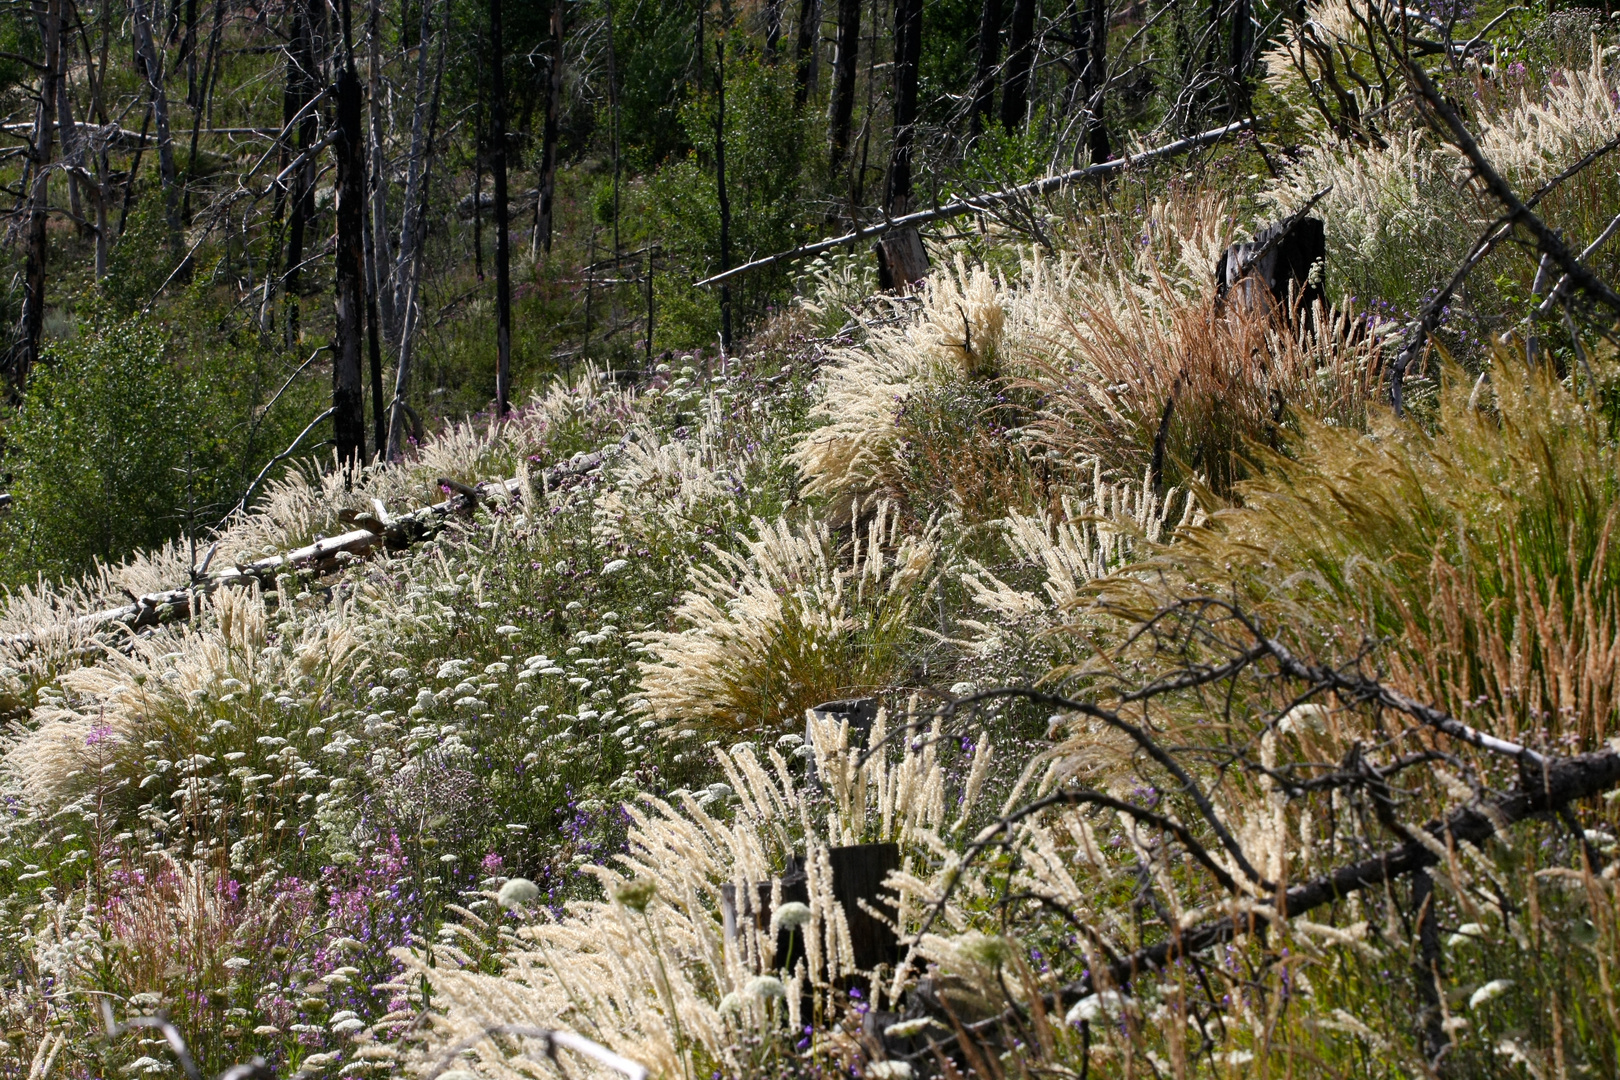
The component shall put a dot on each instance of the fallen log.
(1044, 186)
(1547, 788)
(323, 556)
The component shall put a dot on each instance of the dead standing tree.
(348, 392)
(902, 260)
(39, 162)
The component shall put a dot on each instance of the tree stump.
(1277, 270)
(858, 872)
(860, 713)
(902, 260)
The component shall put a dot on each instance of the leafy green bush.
(98, 451)
(765, 140)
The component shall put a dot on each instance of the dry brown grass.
(1229, 380)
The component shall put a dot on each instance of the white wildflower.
(1096, 1007)
(518, 892)
(766, 987)
(790, 916)
(1493, 989)
(888, 1070)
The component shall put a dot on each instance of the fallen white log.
(323, 556)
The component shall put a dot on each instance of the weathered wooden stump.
(795, 887)
(858, 871)
(1277, 270)
(860, 713)
(902, 260)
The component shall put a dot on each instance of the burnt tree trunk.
(1242, 45)
(302, 87)
(907, 50)
(1091, 50)
(807, 51)
(381, 250)
(842, 109)
(548, 156)
(1020, 59)
(901, 257)
(348, 394)
(151, 70)
(39, 159)
(497, 165)
(720, 189)
(984, 78)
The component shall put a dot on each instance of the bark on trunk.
(548, 157)
(1092, 58)
(807, 53)
(901, 257)
(907, 49)
(151, 70)
(382, 260)
(196, 94)
(1242, 45)
(348, 394)
(503, 266)
(1020, 59)
(303, 87)
(841, 112)
(415, 173)
(720, 189)
(33, 314)
(984, 79)
(72, 140)
(411, 273)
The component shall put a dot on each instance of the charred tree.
(1091, 59)
(302, 88)
(151, 72)
(807, 50)
(497, 164)
(902, 259)
(1020, 61)
(907, 52)
(39, 159)
(842, 109)
(348, 393)
(720, 188)
(984, 77)
(548, 150)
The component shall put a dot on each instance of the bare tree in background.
(841, 111)
(807, 50)
(148, 63)
(984, 76)
(39, 162)
(497, 162)
(348, 393)
(1020, 63)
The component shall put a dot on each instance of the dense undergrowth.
(507, 774)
